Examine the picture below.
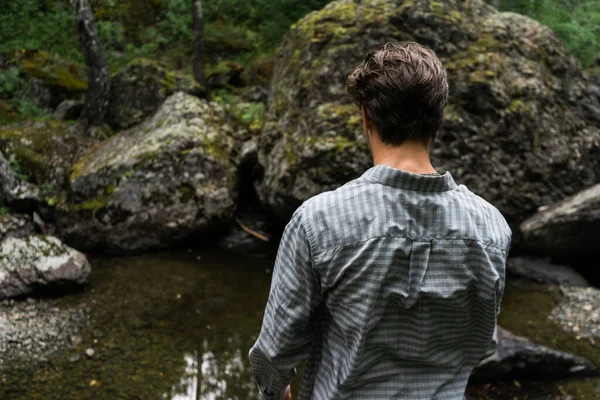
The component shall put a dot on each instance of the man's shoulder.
(333, 199)
(493, 218)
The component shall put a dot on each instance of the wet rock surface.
(31, 330)
(542, 271)
(567, 230)
(519, 358)
(516, 95)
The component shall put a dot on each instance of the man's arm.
(286, 333)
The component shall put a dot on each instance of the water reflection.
(214, 376)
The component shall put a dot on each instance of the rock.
(35, 263)
(541, 271)
(519, 358)
(578, 312)
(140, 88)
(159, 184)
(520, 115)
(16, 226)
(568, 230)
(68, 110)
(43, 154)
(14, 191)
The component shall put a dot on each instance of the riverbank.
(178, 326)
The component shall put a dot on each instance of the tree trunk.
(198, 57)
(97, 98)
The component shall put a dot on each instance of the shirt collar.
(405, 180)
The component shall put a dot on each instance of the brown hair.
(403, 88)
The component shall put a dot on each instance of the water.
(178, 326)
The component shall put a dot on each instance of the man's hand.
(288, 393)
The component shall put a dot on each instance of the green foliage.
(11, 82)
(13, 87)
(576, 22)
(31, 24)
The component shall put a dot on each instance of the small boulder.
(518, 358)
(567, 231)
(542, 271)
(39, 263)
(68, 110)
(40, 155)
(164, 182)
(14, 191)
(140, 88)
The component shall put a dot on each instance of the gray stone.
(35, 263)
(68, 110)
(522, 127)
(542, 271)
(519, 358)
(567, 230)
(159, 184)
(17, 193)
(16, 225)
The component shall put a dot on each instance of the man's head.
(402, 89)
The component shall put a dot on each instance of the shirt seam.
(448, 189)
(311, 244)
(414, 239)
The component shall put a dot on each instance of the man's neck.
(410, 156)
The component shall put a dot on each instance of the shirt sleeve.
(287, 331)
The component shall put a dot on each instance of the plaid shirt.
(389, 286)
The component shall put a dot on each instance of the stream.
(175, 326)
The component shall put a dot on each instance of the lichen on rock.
(158, 184)
(31, 263)
(522, 125)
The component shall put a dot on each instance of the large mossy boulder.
(140, 88)
(567, 231)
(522, 125)
(167, 181)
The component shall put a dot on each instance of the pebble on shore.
(34, 329)
(578, 312)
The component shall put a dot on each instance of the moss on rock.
(510, 83)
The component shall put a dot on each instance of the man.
(390, 285)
